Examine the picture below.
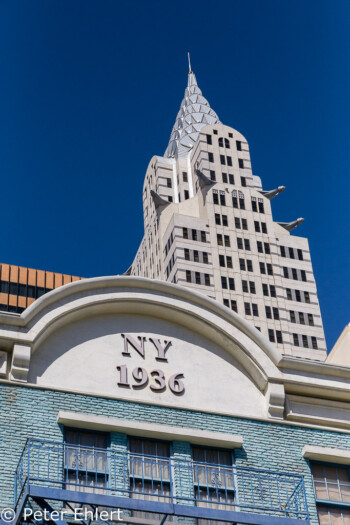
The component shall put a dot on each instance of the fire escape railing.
(168, 480)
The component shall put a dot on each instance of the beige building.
(209, 227)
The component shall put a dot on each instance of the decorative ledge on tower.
(195, 113)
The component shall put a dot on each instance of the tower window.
(198, 278)
(295, 340)
(249, 265)
(314, 343)
(187, 195)
(229, 161)
(168, 183)
(231, 283)
(292, 316)
(222, 199)
(239, 243)
(231, 178)
(300, 255)
(268, 312)
(227, 143)
(170, 199)
(223, 160)
(210, 156)
(219, 239)
(255, 310)
(187, 254)
(215, 197)
(245, 286)
(239, 145)
(203, 236)
(243, 182)
(224, 178)
(217, 219)
(305, 341)
(221, 142)
(261, 206)
(212, 175)
(241, 163)
(276, 314)
(188, 276)
(224, 283)
(279, 336)
(222, 260)
(310, 319)
(207, 279)
(254, 204)
(257, 226)
(234, 305)
(283, 251)
(271, 335)
(227, 241)
(247, 309)
(224, 220)
(194, 235)
(185, 233)
(209, 141)
(184, 175)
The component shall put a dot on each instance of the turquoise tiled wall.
(32, 412)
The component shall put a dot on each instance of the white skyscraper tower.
(209, 227)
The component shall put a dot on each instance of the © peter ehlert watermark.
(7, 515)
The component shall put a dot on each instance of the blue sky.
(89, 92)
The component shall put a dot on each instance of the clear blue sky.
(89, 92)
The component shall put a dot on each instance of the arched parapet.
(78, 335)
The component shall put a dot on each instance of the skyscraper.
(208, 226)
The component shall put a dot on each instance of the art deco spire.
(195, 113)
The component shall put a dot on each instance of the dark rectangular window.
(224, 283)
(257, 226)
(262, 267)
(187, 195)
(244, 224)
(252, 287)
(263, 227)
(168, 183)
(188, 276)
(241, 163)
(314, 343)
(215, 198)
(305, 341)
(276, 314)
(226, 303)
(222, 199)
(210, 157)
(219, 239)
(203, 236)
(243, 182)
(231, 178)
(247, 309)
(285, 272)
(291, 253)
(289, 294)
(269, 269)
(227, 240)
(301, 318)
(246, 244)
(217, 219)
(303, 275)
(295, 340)
(229, 261)
(268, 312)
(224, 220)
(229, 161)
(212, 175)
(261, 206)
(279, 338)
(194, 235)
(198, 278)
(265, 289)
(237, 223)
(298, 296)
(254, 204)
(242, 264)
(239, 243)
(271, 335)
(207, 279)
(249, 265)
(267, 248)
(307, 297)
(294, 274)
(259, 246)
(224, 178)
(234, 305)
(234, 201)
(221, 260)
(245, 286)
(300, 255)
(196, 256)
(310, 319)
(209, 141)
(239, 145)
(231, 283)
(170, 199)
(283, 251)
(272, 290)
(184, 176)
(223, 160)
(205, 258)
(292, 316)
(187, 254)
(255, 310)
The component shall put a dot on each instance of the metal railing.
(159, 479)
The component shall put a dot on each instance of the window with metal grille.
(86, 464)
(332, 484)
(149, 472)
(213, 479)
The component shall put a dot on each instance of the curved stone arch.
(164, 300)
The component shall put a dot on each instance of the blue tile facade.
(32, 412)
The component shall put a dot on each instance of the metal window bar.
(163, 479)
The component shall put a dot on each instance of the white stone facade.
(209, 227)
